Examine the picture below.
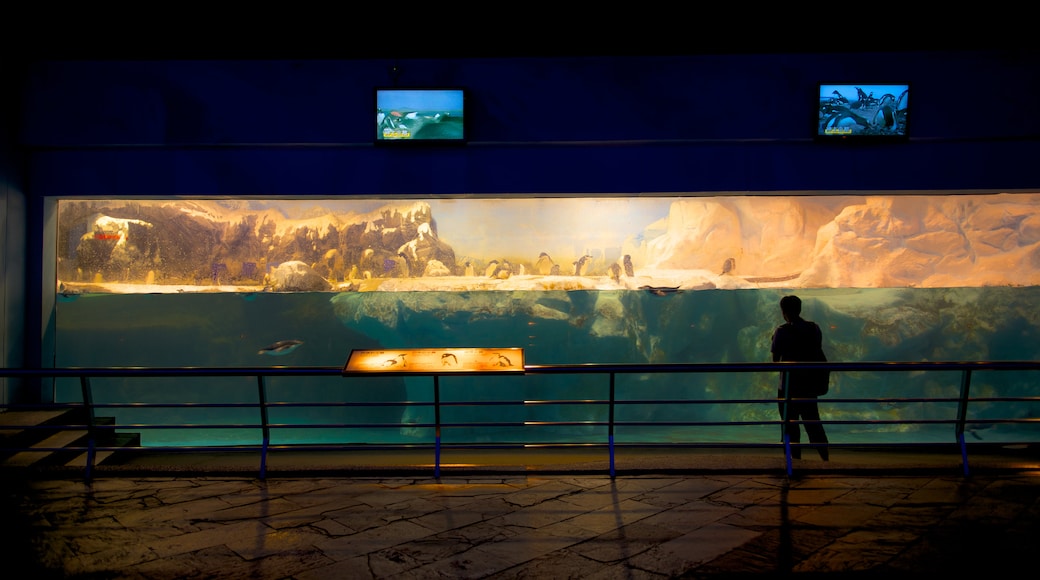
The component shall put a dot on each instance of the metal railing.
(95, 430)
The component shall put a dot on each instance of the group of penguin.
(545, 266)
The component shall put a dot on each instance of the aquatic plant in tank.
(642, 279)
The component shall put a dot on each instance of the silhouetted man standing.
(801, 340)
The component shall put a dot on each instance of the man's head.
(791, 306)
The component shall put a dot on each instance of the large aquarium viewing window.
(647, 243)
(249, 282)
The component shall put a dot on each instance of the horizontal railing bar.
(828, 399)
(351, 446)
(584, 368)
(269, 404)
(283, 446)
(43, 406)
(528, 423)
(659, 368)
(6, 429)
(449, 445)
(170, 372)
(735, 445)
(116, 427)
(349, 403)
(617, 424)
(764, 423)
(619, 402)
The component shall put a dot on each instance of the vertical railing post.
(610, 425)
(265, 429)
(785, 420)
(962, 415)
(88, 404)
(436, 426)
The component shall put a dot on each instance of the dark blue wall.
(694, 123)
(711, 122)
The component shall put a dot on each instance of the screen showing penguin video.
(420, 115)
(863, 112)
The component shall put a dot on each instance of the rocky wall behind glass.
(660, 244)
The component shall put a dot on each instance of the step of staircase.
(121, 440)
(57, 440)
(54, 438)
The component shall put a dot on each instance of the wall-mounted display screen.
(423, 115)
(863, 112)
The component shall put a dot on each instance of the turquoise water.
(208, 329)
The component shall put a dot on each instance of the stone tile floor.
(819, 521)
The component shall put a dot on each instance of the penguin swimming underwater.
(282, 347)
(661, 290)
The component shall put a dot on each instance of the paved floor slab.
(516, 526)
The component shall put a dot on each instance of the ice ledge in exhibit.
(857, 241)
(692, 243)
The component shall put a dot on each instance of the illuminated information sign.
(435, 361)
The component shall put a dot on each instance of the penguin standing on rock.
(629, 269)
(492, 267)
(504, 270)
(544, 264)
(581, 267)
(615, 273)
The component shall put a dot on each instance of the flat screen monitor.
(420, 115)
(863, 112)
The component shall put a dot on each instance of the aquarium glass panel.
(640, 279)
